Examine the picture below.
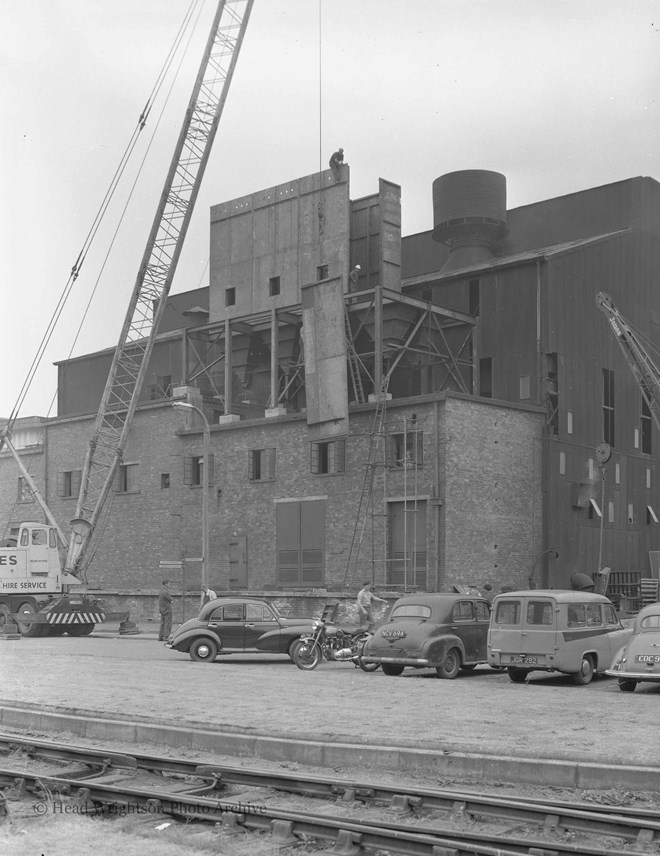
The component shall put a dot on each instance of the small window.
(233, 612)
(651, 516)
(52, 538)
(230, 297)
(68, 483)
(261, 464)
(274, 286)
(610, 614)
(483, 612)
(594, 509)
(645, 424)
(594, 618)
(327, 457)
(577, 616)
(569, 421)
(508, 612)
(322, 272)
(539, 612)
(258, 612)
(162, 388)
(631, 513)
(608, 406)
(486, 377)
(648, 478)
(24, 492)
(406, 449)
(463, 611)
(524, 387)
(610, 511)
(562, 463)
(24, 538)
(127, 478)
(39, 537)
(193, 470)
(636, 438)
(164, 481)
(617, 473)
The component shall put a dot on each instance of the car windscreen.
(411, 610)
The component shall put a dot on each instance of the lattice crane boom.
(644, 369)
(156, 272)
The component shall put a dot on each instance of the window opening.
(608, 406)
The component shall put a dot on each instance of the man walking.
(365, 599)
(165, 609)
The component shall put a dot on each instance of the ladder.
(376, 442)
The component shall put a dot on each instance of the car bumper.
(397, 661)
(633, 676)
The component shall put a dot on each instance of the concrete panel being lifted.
(326, 380)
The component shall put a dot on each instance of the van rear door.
(539, 633)
(504, 634)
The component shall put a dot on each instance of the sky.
(558, 96)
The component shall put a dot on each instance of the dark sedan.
(236, 626)
(447, 632)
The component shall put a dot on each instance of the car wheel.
(360, 641)
(627, 686)
(518, 676)
(79, 629)
(468, 667)
(292, 648)
(5, 616)
(30, 628)
(307, 655)
(392, 669)
(450, 665)
(586, 673)
(203, 651)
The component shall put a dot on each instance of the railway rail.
(432, 821)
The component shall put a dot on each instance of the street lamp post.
(183, 405)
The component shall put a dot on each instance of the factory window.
(486, 377)
(230, 296)
(569, 421)
(610, 511)
(322, 272)
(651, 516)
(617, 473)
(594, 510)
(562, 463)
(631, 513)
(327, 458)
(24, 492)
(127, 478)
(524, 387)
(608, 406)
(552, 392)
(68, 483)
(300, 542)
(162, 388)
(406, 449)
(274, 286)
(261, 464)
(193, 470)
(636, 438)
(474, 294)
(648, 477)
(164, 481)
(645, 426)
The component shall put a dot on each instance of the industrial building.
(422, 411)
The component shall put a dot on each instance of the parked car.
(235, 626)
(574, 632)
(447, 632)
(639, 659)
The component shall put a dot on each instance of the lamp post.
(183, 405)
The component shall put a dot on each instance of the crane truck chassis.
(39, 596)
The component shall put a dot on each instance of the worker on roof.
(336, 160)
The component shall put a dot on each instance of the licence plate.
(523, 661)
(648, 658)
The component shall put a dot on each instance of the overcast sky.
(559, 95)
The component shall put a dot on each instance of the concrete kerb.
(443, 763)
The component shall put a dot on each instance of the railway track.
(428, 821)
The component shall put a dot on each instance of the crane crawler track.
(185, 789)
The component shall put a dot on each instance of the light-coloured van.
(574, 632)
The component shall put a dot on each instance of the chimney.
(469, 215)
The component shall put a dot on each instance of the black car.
(447, 632)
(235, 626)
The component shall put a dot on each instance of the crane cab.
(33, 565)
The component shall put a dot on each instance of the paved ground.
(479, 712)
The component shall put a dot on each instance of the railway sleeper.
(282, 832)
(347, 843)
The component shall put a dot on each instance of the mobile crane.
(32, 584)
(641, 364)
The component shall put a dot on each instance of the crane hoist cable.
(98, 219)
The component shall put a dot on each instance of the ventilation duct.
(469, 215)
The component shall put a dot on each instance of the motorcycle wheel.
(360, 643)
(307, 656)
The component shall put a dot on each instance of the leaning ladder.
(376, 440)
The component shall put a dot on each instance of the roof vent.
(469, 215)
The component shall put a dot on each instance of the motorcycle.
(329, 642)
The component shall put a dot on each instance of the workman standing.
(165, 609)
(365, 600)
(336, 160)
(207, 595)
